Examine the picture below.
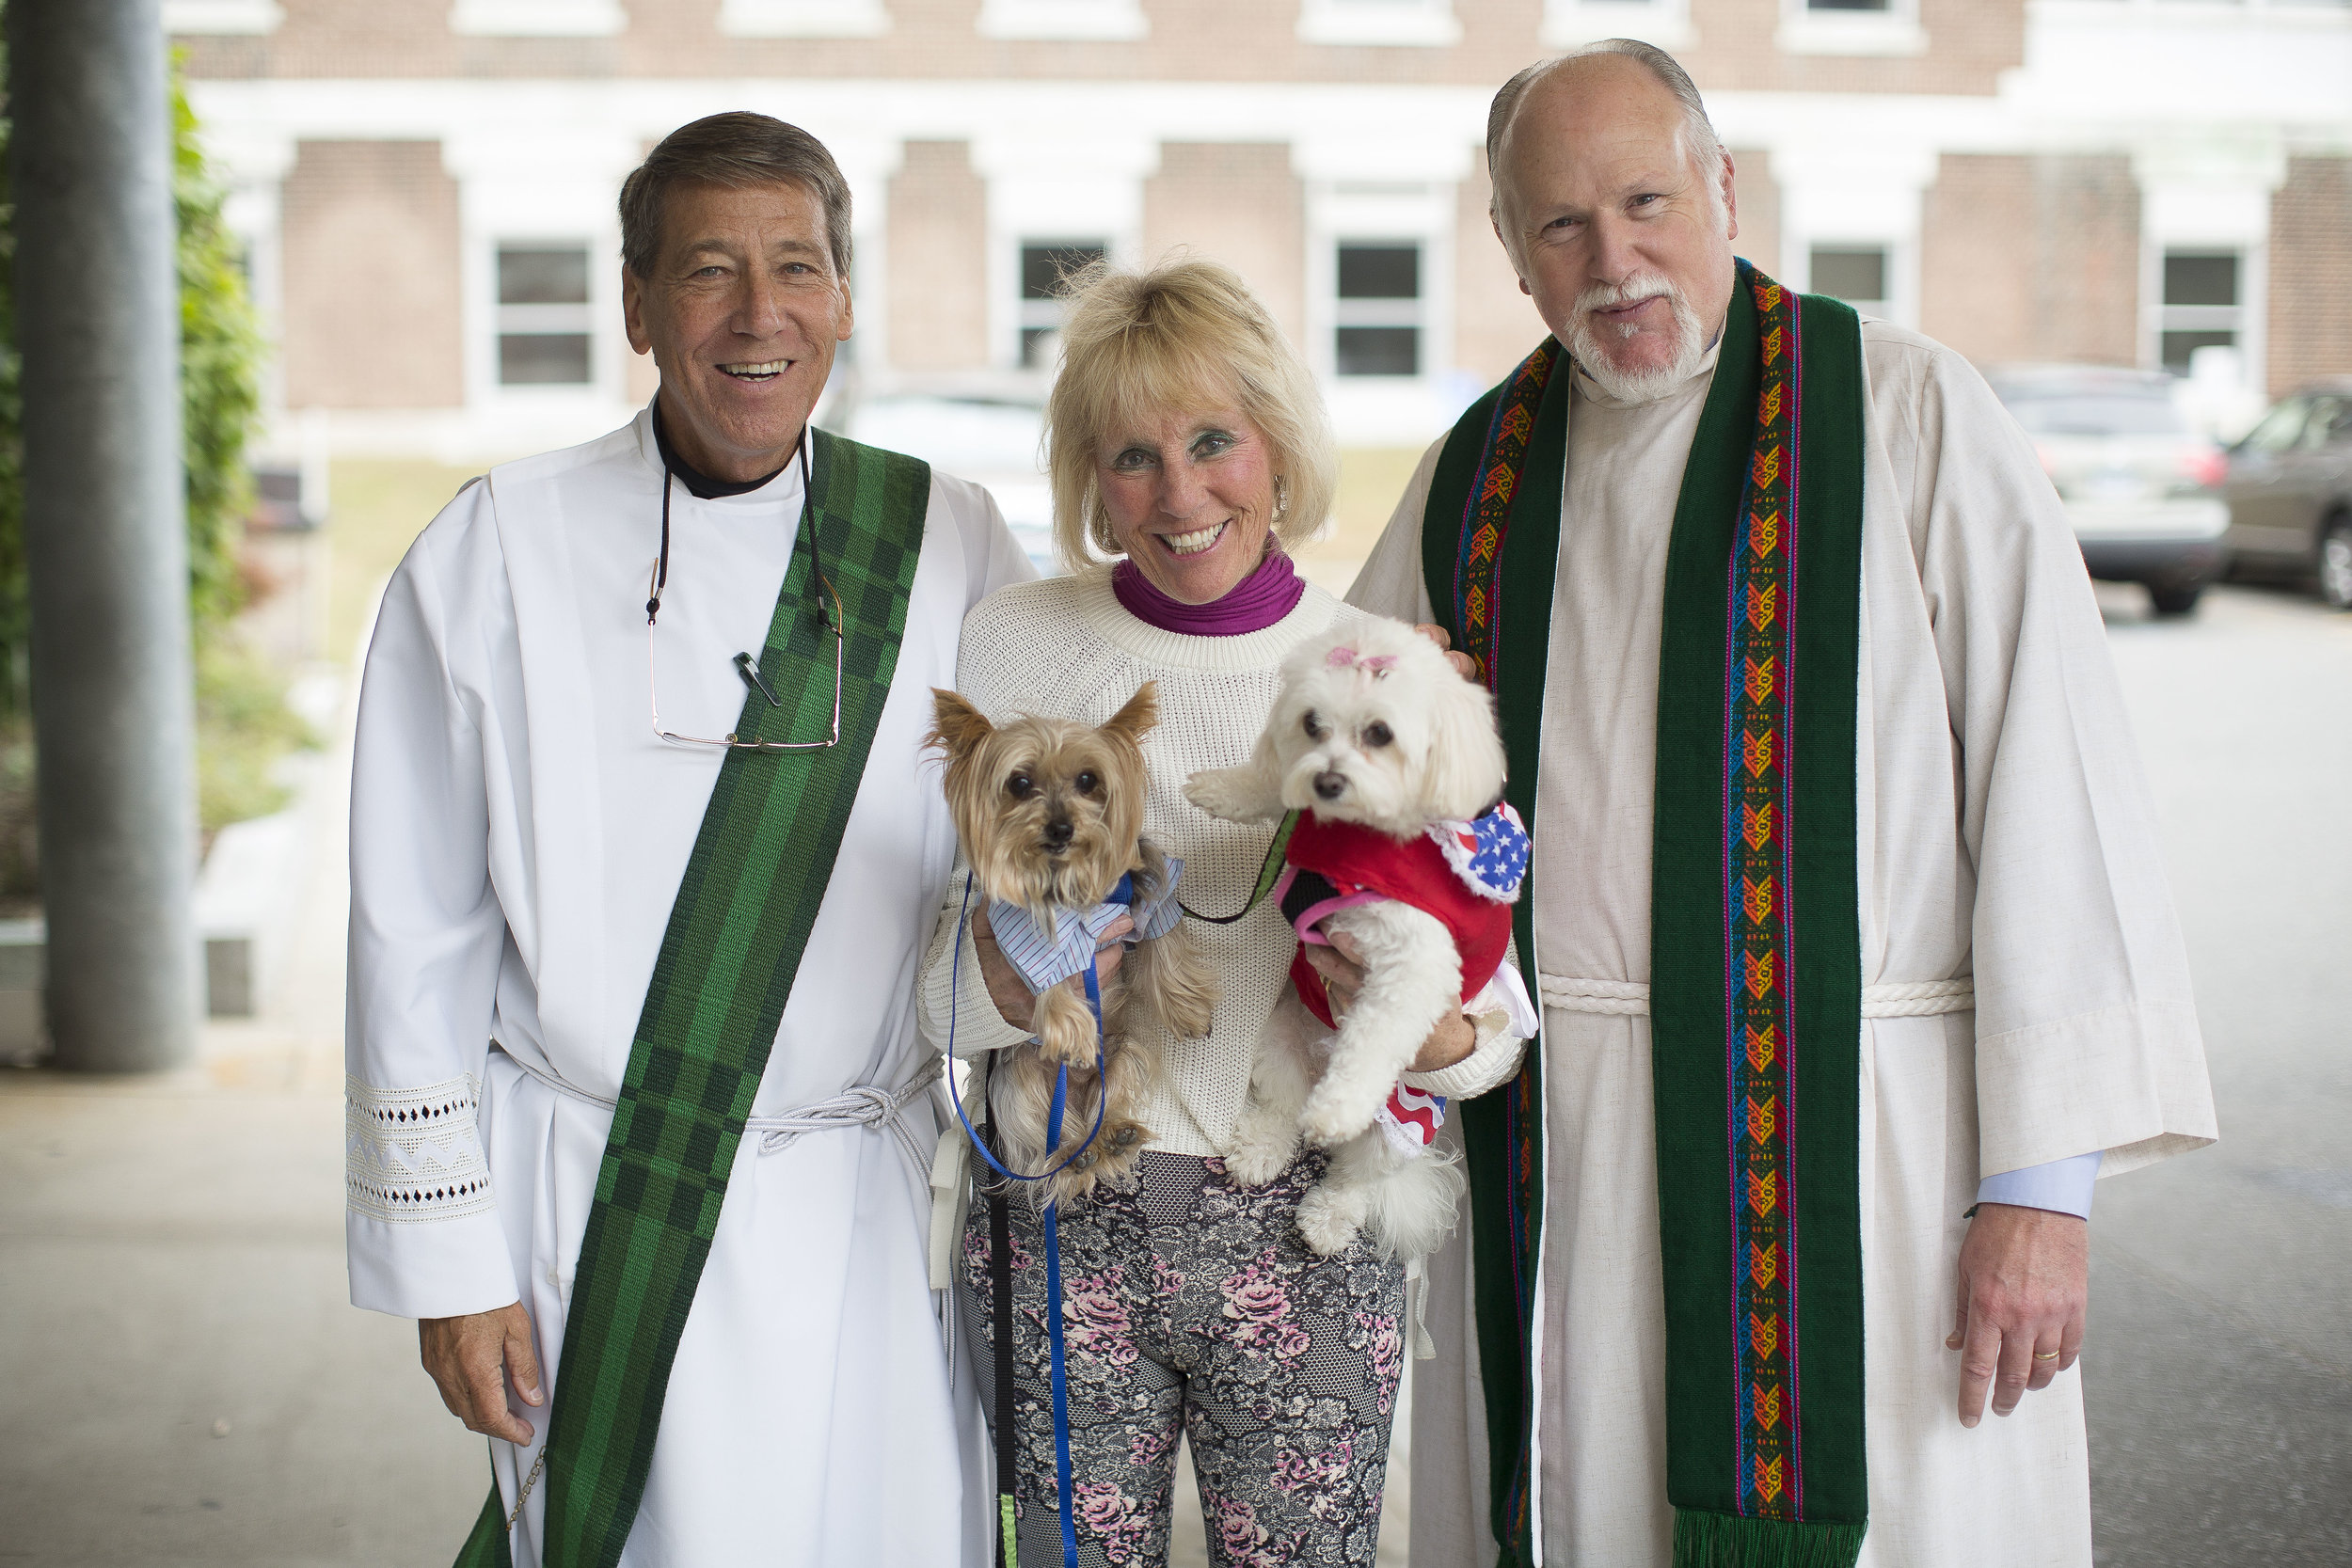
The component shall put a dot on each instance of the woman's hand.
(1454, 1037)
(471, 1357)
(1016, 1003)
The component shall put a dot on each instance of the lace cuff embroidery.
(414, 1154)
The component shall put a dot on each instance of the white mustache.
(1640, 286)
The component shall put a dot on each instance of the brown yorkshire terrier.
(1051, 814)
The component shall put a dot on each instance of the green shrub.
(242, 723)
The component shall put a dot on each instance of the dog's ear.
(1463, 772)
(1134, 721)
(958, 728)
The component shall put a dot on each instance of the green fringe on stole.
(1727, 1541)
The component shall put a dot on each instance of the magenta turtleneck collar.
(1253, 604)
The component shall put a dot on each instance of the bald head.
(1614, 200)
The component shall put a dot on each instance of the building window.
(1856, 274)
(1044, 265)
(222, 16)
(1377, 324)
(1664, 23)
(538, 18)
(1851, 27)
(543, 322)
(2203, 306)
(1118, 20)
(1423, 22)
(804, 19)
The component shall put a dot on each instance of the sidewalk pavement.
(185, 1380)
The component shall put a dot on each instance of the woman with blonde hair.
(1189, 454)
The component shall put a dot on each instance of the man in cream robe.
(2026, 1000)
(518, 836)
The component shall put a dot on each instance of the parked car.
(2141, 488)
(995, 441)
(2290, 492)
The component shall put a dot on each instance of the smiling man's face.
(742, 313)
(1623, 241)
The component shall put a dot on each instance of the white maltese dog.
(1387, 755)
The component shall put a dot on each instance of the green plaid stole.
(1754, 848)
(727, 963)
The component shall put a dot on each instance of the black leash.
(1000, 1285)
(1269, 873)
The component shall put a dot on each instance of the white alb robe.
(2005, 835)
(517, 839)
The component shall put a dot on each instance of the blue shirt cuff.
(2062, 1186)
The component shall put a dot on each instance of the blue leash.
(1053, 1213)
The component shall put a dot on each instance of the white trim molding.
(1891, 31)
(802, 18)
(558, 19)
(1115, 21)
(1568, 24)
(186, 17)
(1417, 23)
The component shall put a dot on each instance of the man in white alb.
(637, 822)
(1619, 548)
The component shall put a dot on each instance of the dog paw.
(1254, 1165)
(1327, 1119)
(1326, 1224)
(1230, 794)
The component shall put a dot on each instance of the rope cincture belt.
(863, 1105)
(1630, 998)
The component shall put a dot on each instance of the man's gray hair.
(1698, 133)
(736, 150)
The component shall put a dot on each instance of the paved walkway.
(182, 1380)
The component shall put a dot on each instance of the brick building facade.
(426, 185)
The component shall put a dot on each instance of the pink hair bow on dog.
(1376, 666)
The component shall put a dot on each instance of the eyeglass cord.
(806, 524)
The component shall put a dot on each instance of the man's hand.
(1343, 971)
(470, 1358)
(1462, 667)
(1016, 1003)
(2024, 1284)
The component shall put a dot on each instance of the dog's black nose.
(1330, 785)
(1057, 831)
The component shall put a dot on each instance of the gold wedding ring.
(2046, 1355)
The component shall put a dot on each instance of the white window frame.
(1382, 409)
(2247, 319)
(1570, 23)
(562, 19)
(544, 320)
(1893, 272)
(802, 18)
(183, 18)
(1031, 315)
(1044, 190)
(1893, 32)
(1116, 21)
(1409, 23)
(1413, 312)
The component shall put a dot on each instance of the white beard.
(1636, 386)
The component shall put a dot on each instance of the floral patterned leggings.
(1190, 1303)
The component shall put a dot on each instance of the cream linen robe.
(517, 839)
(2005, 835)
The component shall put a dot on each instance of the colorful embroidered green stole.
(726, 965)
(1756, 962)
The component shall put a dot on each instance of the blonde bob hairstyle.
(1186, 335)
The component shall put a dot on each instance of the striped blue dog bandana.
(1048, 961)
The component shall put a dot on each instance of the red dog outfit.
(1465, 873)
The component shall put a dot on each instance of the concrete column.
(105, 535)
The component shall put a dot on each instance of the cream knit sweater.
(1066, 646)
